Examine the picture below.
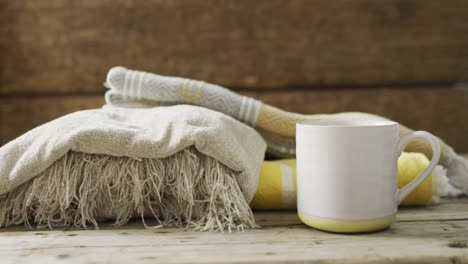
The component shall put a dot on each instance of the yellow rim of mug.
(347, 226)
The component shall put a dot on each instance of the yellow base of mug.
(347, 226)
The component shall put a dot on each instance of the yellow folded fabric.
(277, 182)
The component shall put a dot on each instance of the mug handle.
(403, 192)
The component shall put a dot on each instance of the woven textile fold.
(182, 165)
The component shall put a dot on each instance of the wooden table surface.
(434, 234)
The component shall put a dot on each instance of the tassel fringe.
(187, 189)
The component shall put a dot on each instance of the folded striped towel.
(135, 89)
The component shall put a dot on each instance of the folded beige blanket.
(184, 165)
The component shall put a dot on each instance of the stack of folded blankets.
(184, 152)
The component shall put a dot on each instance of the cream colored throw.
(183, 165)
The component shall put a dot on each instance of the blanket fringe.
(186, 189)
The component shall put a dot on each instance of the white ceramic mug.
(347, 173)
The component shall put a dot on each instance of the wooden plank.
(68, 46)
(20, 114)
(282, 240)
(440, 111)
(446, 210)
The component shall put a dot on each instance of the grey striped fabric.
(130, 88)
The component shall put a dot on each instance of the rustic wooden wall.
(403, 59)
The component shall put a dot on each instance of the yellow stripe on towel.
(277, 182)
(276, 185)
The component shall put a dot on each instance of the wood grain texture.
(20, 114)
(441, 111)
(427, 238)
(68, 46)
